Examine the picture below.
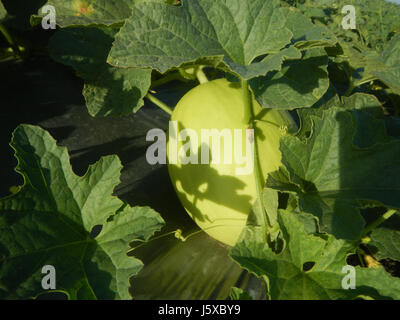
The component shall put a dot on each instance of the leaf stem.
(177, 234)
(9, 39)
(265, 122)
(159, 103)
(361, 82)
(360, 257)
(248, 102)
(378, 222)
(201, 76)
(145, 242)
(168, 78)
(349, 90)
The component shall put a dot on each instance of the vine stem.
(257, 167)
(178, 235)
(143, 242)
(349, 90)
(265, 122)
(201, 76)
(9, 39)
(378, 222)
(360, 256)
(159, 103)
(168, 78)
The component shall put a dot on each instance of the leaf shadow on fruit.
(221, 189)
(162, 198)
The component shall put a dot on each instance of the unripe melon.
(214, 195)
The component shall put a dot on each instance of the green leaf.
(239, 294)
(90, 12)
(310, 267)
(49, 222)
(256, 225)
(3, 11)
(328, 171)
(307, 35)
(368, 115)
(364, 102)
(262, 220)
(390, 77)
(162, 36)
(330, 99)
(391, 55)
(298, 84)
(271, 204)
(390, 74)
(108, 91)
(386, 243)
(269, 63)
(368, 66)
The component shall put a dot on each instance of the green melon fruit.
(214, 195)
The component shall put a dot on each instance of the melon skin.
(213, 195)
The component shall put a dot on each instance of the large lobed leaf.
(50, 220)
(337, 168)
(162, 36)
(288, 273)
(246, 38)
